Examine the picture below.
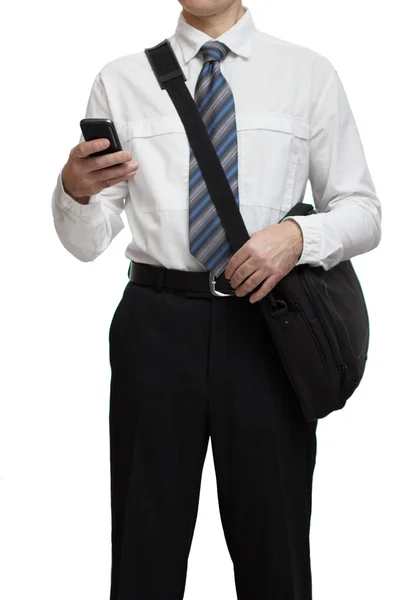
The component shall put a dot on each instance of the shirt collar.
(238, 38)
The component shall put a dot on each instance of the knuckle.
(256, 253)
(277, 273)
(117, 158)
(102, 161)
(266, 286)
(245, 275)
(255, 280)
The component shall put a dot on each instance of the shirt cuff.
(311, 240)
(87, 211)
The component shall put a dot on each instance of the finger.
(109, 160)
(110, 182)
(245, 270)
(237, 260)
(265, 289)
(115, 171)
(83, 149)
(251, 283)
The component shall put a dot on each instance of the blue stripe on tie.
(215, 258)
(212, 91)
(199, 206)
(217, 86)
(208, 231)
(227, 141)
(197, 175)
(204, 199)
(213, 52)
(226, 107)
(232, 172)
(219, 150)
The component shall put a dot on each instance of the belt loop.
(160, 279)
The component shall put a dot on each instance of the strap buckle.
(212, 284)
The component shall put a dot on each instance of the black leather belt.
(172, 279)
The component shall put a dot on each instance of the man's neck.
(215, 25)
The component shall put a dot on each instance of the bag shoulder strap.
(170, 77)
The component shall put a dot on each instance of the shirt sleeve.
(86, 230)
(348, 217)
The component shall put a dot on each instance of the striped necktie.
(214, 99)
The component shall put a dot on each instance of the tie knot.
(213, 51)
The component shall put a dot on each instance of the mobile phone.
(94, 129)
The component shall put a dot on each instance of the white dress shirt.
(294, 124)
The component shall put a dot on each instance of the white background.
(56, 311)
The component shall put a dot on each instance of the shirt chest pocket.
(160, 146)
(273, 151)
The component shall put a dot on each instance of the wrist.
(294, 227)
(79, 199)
(298, 235)
(83, 200)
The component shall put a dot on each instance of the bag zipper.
(325, 317)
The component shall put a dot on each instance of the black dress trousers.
(186, 369)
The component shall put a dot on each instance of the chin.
(204, 8)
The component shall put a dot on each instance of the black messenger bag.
(317, 318)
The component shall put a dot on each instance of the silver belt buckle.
(212, 283)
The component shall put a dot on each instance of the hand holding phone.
(98, 162)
